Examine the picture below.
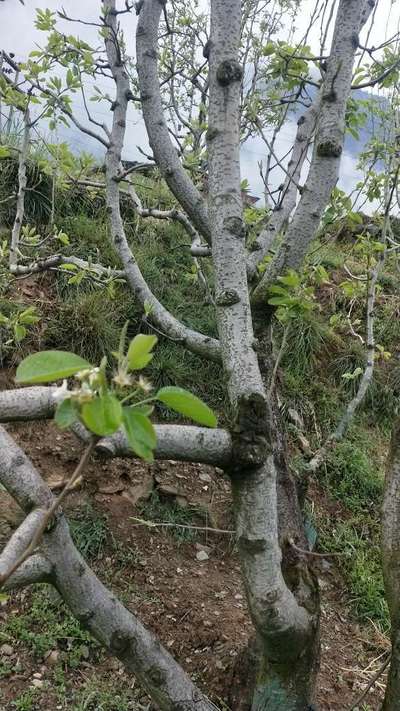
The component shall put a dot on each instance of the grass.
(106, 695)
(87, 323)
(46, 624)
(358, 539)
(307, 337)
(89, 532)
(156, 510)
(351, 476)
(27, 701)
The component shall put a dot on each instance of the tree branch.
(328, 144)
(181, 442)
(117, 629)
(168, 324)
(164, 152)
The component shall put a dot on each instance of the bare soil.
(197, 608)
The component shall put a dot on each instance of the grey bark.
(328, 143)
(164, 152)
(57, 260)
(190, 444)
(284, 627)
(197, 249)
(168, 324)
(37, 569)
(391, 563)
(20, 540)
(23, 404)
(280, 216)
(182, 442)
(92, 604)
(22, 180)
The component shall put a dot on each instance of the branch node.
(229, 71)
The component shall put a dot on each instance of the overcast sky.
(19, 35)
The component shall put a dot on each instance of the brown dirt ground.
(197, 609)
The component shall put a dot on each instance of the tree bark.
(174, 329)
(286, 630)
(391, 564)
(280, 216)
(328, 144)
(22, 182)
(164, 152)
(184, 442)
(59, 563)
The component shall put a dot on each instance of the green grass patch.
(47, 625)
(358, 539)
(89, 532)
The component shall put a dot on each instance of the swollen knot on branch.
(329, 149)
(228, 297)
(235, 226)
(211, 134)
(250, 432)
(229, 71)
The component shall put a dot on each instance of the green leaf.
(280, 301)
(140, 433)
(268, 49)
(48, 366)
(102, 415)
(276, 289)
(28, 316)
(63, 238)
(19, 332)
(70, 78)
(187, 404)
(66, 414)
(69, 267)
(139, 354)
(290, 279)
(144, 409)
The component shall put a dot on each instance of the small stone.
(52, 657)
(38, 683)
(296, 418)
(202, 547)
(166, 490)
(326, 565)
(220, 595)
(202, 555)
(37, 675)
(238, 596)
(203, 476)
(6, 649)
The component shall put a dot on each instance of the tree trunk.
(391, 564)
(392, 694)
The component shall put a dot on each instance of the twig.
(53, 508)
(313, 553)
(164, 524)
(278, 360)
(370, 684)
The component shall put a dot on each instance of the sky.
(18, 35)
